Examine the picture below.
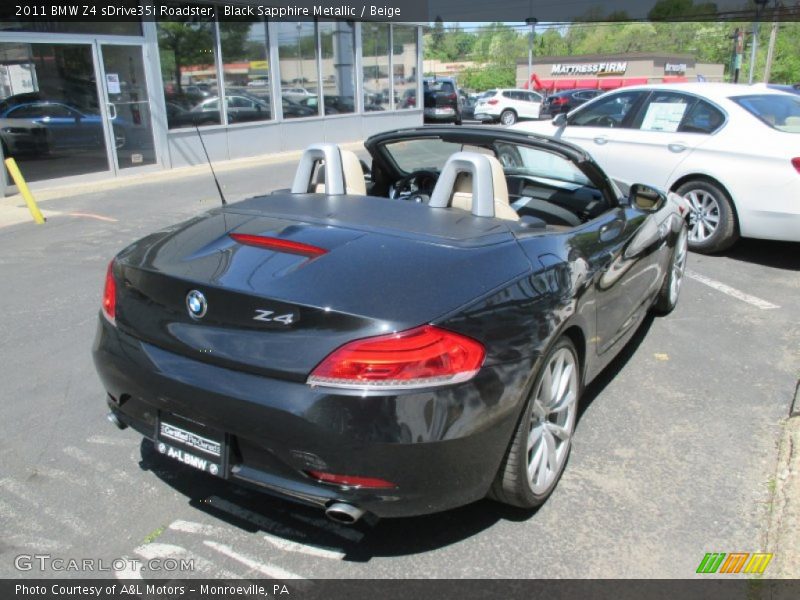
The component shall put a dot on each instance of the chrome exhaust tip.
(115, 420)
(344, 514)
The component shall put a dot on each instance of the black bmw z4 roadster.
(391, 340)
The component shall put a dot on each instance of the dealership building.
(611, 71)
(93, 100)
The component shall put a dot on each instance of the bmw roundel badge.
(196, 304)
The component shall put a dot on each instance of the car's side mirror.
(647, 198)
(560, 120)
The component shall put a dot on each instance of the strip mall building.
(611, 71)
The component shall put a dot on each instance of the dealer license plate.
(191, 444)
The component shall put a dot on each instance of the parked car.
(563, 102)
(69, 128)
(508, 106)
(21, 137)
(442, 101)
(177, 116)
(296, 93)
(414, 348)
(792, 89)
(468, 107)
(240, 108)
(732, 150)
(333, 104)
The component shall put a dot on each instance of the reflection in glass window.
(337, 41)
(245, 69)
(49, 110)
(375, 49)
(188, 70)
(404, 65)
(297, 51)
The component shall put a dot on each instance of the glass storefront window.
(375, 48)
(245, 68)
(50, 119)
(404, 65)
(297, 51)
(337, 49)
(189, 73)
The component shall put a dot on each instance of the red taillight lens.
(452, 97)
(423, 357)
(559, 101)
(278, 245)
(796, 163)
(493, 101)
(110, 294)
(351, 481)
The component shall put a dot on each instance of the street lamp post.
(532, 21)
(760, 4)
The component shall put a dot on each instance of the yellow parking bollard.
(16, 175)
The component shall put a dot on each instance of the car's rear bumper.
(486, 117)
(441, 448)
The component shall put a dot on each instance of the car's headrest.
(476, 183)
(338, 171)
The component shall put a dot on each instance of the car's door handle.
(677, 147)
(601, 140)
(611, 230)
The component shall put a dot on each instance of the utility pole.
(738, 50)
(532, 21)
(760, 4)
(771, 50)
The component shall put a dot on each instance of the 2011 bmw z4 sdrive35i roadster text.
(391, 340)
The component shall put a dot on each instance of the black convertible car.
(398, 343)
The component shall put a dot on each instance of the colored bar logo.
(734, 562)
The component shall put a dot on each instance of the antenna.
(210, 166)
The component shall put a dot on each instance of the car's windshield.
(539, 163)
(413, 155)
(776, 110)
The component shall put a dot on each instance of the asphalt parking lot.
(674, 455)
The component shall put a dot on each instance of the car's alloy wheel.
(712, 221)
(670, 290)
(704, 218)
(552, 421)
(538, 452)
(508, 117)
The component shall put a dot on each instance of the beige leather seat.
(354, 182)
(462, 193)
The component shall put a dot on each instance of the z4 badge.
(269, 316)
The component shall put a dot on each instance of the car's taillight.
(452, 97)
(426, 356)
(110, 294)
(796, 163)
(278, 244)
(351, 480)
(559, 101)
(493, 101)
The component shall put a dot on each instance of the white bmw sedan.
(733, 151)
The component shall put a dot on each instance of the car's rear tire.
(508, 117)
(542, 440)
(712, 220)
(667, 298)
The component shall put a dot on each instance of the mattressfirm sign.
(605, 68)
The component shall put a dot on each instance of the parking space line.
(290, 546)
(267, 569)
(730, 291)
(156, 550)
(72, 522)
(131, 570)
(94, 216)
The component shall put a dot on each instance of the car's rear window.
(776, 110)
(439, 86)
